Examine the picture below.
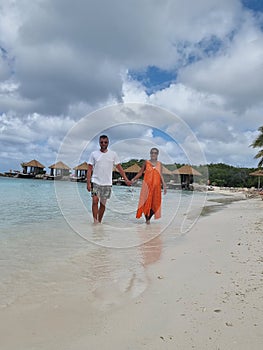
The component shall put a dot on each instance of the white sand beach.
(204, 290)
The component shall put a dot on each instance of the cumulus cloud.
(30, 137)
(65, 54)
(235, 73)
(60, 61)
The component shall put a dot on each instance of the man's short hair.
(104, 137)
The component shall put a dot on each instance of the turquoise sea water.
(47, 237)
(24, 201)
(28, 202)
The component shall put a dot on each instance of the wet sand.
(202, 290)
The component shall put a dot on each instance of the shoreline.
(204, 293)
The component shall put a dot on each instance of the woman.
(150, 196)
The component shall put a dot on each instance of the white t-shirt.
(102, 166)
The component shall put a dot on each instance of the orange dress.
(150, 196)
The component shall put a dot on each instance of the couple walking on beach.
(99, 181)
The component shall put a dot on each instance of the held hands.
(128, 182)
(133, 181)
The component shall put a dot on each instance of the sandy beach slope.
(206, 292)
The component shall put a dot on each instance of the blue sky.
(154, 78)
(199, 60)
(254, 5)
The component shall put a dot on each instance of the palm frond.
(259, 154)
(259, 140)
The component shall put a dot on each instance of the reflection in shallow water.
(151, 251)
(117, 275)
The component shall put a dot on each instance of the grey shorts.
(100, 191)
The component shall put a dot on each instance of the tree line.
(221, 174)
(229, 176)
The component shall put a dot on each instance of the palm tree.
(259, 143)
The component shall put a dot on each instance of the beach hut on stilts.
(167, 174)
(31, 169)
(59, 171)
(80, 172)
(186, 174)
(131, 171)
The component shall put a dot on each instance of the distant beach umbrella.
(258, 173)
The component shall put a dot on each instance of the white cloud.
(61, 61)
(235, 73)
(67, 54)
(31, 137)
(224, 135)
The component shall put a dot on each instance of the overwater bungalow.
(80, 172)
(116, 178)
(31, 169)
(58, 171)
(167, 174)
(186, 174)
(132, 170)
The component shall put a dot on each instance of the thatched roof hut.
(186, 170)
(59, 169)
(81, 170)
(82, 166)
(132, 170)
(186, 174)
(135, 168)
(35, 167)
(35, 163)
(166, 171)
(167, 174)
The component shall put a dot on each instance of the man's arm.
(89, 173)
(122, 172)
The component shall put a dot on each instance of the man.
(99, 177)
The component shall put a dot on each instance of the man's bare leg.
(101, 209)
(95, 210)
